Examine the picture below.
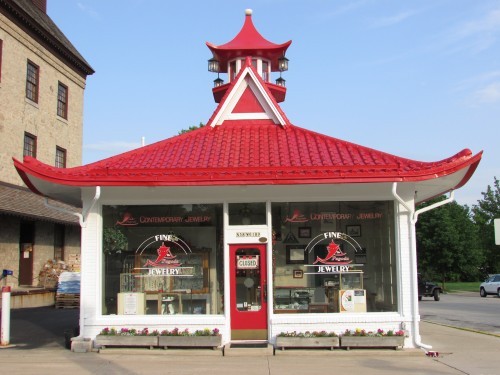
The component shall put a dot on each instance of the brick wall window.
(29, 148)
(62, 101)
(32, 79)
(60, 157)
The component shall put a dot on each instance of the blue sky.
(418, 79)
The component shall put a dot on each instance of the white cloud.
(87, 10)
(475, 35)
(393, 20)
(487, 94)
(481, 89)
(489, 23)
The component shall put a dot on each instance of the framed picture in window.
(304, 232)
(296, 254)
(353, 230)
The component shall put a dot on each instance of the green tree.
(484, 214)
(191, 128)
(447, 246)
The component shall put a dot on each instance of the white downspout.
(82, 218)
(83, 223)
(413, 217)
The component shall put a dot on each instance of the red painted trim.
(25, 177)
(473, 166)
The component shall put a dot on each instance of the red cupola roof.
(248, 42)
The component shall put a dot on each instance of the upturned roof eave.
(239, 176)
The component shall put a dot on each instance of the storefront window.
(162, 260)
(334, 257)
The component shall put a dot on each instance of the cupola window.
(232, 70)
(265, 71)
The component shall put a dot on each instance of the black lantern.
(280, 82)
(213, 65)
(283, 64)
(218, 82)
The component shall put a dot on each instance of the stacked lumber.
(68, 291)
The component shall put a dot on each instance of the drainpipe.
(82, 345)
(413, 217)
(82, 217)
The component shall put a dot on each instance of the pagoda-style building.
(246, 206)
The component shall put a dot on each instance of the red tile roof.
(249, 152)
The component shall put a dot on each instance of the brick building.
(42, 83)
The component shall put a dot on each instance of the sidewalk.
(40, 349)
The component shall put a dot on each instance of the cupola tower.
(266, 57)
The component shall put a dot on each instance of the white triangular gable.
(248, 79)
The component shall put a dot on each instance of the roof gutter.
(413, 217)
(82, 217)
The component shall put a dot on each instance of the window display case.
(346, 292)
(292, 299)
(340, 292)
(171, 294)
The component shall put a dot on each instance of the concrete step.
(248, 349)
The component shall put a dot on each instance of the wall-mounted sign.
(247, 262)
(238, 235)
(248, 234)
(299, 217)
(128, 219)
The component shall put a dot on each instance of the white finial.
(248, 12)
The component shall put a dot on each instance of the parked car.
(490, 286)
(428, 289)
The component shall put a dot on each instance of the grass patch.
(462, 287)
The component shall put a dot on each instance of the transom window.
(32, 79)
(29, 148)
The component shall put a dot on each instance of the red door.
(248, 292)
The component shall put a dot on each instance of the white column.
(5, 331)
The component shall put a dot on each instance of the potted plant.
(315, 339)
(379, 339)
(204, 338)
(126, 337)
